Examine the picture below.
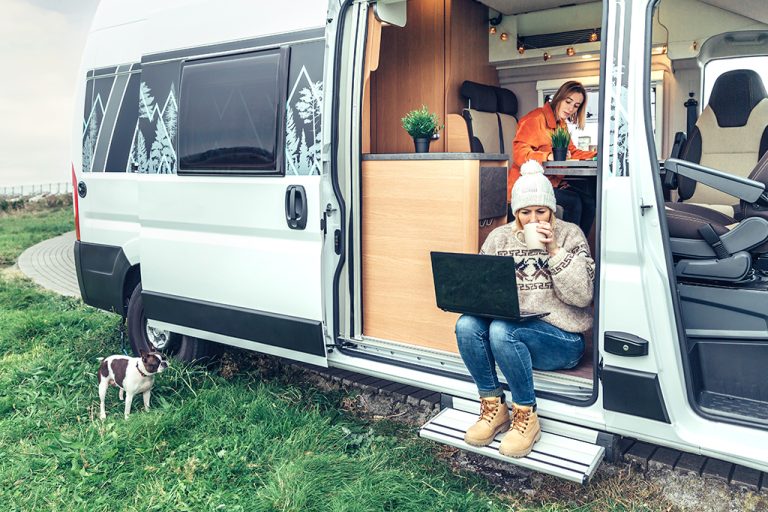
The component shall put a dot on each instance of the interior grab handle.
(296, 207)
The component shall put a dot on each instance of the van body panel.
(226, 241)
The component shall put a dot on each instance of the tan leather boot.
(524, 432)
(494, 418)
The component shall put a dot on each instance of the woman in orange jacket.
(533, 142)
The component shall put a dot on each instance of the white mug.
(533, 237)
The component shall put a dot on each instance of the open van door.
(231, 214)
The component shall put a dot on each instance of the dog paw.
(102, 416)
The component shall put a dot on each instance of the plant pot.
(559, 154)
(422, 144)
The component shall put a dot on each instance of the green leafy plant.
(421, 123)
(561, 138)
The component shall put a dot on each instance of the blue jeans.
(517, 347)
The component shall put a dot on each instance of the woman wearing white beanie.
(557, 280)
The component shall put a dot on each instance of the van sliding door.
(231, 236)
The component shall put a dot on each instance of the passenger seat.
(490, 117)
(731, 135)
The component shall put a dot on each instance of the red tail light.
(77, 207)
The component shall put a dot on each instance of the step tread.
(553, 454)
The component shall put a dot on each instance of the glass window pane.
(228, 113)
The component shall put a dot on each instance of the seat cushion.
(727, 210)
(684, 220)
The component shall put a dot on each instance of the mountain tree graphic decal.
(303, 135)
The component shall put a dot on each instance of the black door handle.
(296, 207)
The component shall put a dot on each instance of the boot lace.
(488, 410)
(520, 419)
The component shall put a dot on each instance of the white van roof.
(124, 31)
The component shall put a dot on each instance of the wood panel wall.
(412, 207)
(466, 42)
(443, 43)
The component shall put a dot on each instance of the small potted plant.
(561, 138)
(422, 125)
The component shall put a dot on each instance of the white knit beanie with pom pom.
(532, 188)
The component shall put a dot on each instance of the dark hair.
(566, 89)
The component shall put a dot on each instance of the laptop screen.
(476, 284)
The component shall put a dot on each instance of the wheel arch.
(132, 278)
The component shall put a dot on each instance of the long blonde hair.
(569, 87)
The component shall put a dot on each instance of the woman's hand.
(548, 237)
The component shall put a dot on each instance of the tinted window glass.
(228, 116)
(120, 145)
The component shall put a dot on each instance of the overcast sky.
(40, 45)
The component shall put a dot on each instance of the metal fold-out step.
(554, 454)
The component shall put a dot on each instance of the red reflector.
(77, 207)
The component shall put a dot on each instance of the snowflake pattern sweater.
(561, 284)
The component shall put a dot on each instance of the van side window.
(229, 118)
(110, 118)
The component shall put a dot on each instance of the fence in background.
(62, 187)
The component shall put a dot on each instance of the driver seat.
(708, 244)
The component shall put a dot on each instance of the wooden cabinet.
(409, 208)
(443, 43)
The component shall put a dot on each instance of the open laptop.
(479, 285)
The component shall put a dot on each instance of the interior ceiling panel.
(510, 7)
(755, 9)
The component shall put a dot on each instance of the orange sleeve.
(580, 154)
(525, 146)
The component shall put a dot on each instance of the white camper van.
(242, 178)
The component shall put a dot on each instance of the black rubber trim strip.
(101, 271)
(264, 42)
(273, 329)
(335, 174)
(633, 392)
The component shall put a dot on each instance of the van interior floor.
(720, 404)
(575, 383)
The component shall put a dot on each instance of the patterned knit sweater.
(561, 284)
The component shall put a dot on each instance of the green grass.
(260, 440)
(207, 443)
(28, 227)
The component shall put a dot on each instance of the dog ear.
(152, 348)
(143, 353)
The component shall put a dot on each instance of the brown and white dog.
(133, 375)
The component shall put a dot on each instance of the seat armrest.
(742, 188)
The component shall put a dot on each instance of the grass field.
(208, 443)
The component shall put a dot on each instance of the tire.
(183, 348)
(141, 335)
(197, 350)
